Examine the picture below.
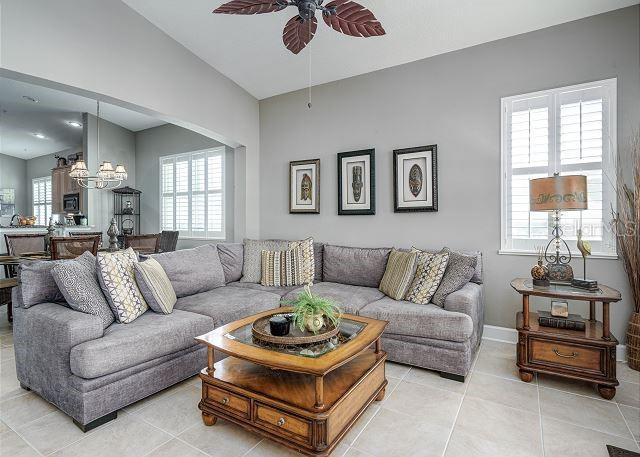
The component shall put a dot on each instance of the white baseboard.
(510, 335)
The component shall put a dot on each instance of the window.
(192, 194)
(570, 130)
(42, 199)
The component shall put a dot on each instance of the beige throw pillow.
(308, 268)
(282, 268)
(400, 270)
(429, 272)
(155, 286)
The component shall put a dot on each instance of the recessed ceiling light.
(31, 99)
(39, 135)
(75, 124)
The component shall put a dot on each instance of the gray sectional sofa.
(90, 373)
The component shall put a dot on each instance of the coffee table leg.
(378, 346)
(210, 363)
(319, 392)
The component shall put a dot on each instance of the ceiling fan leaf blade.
(353, 19)
(251, 7)
(298, 33)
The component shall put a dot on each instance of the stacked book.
(573, 322)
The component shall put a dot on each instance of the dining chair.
(73, 246)
(168, 240)
(18, 244)
(146, 244)
(88, 234)
(5, 295)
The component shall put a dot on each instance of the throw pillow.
(78, 283)
(307, 272)
(460, 269)
(252, 265)
(231, 256)
(155, 286)
(282, 268)
(401, 268)
(118, 282)
(429, 273)
(37, 284)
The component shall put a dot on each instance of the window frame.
(188, 234)
(608, 164)
(48, 204)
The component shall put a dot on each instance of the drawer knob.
(573, 355)
(225, 400)
(281, 422)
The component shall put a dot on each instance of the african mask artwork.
(415, 180)
(357, 183)
(306, 188)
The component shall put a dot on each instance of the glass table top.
(348, 330)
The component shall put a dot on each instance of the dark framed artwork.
(357, 183)
(415, 179)
(304, 187)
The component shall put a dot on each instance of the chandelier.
(107, 177)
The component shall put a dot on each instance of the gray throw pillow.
(78, 283)
(37, 284)
(460, 269)
(252, 267)
(231, 255)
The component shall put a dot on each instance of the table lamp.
(558, 193)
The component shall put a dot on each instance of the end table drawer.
(231, 402)
(568, 355)
(298, 428)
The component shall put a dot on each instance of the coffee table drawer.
(225, 400)
(297, 428)
(567, 355)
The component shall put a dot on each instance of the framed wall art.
(304, 187)
(357, 182)
(415, 179)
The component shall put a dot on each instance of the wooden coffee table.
(305, 402)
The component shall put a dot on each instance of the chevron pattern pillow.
(429, 274)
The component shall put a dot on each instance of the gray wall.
(452, 100)
(13, 175)
(153, 143)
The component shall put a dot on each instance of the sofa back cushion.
(231, 257)
(37, 284)
(192, 271)
(355, 266)
(318, 254)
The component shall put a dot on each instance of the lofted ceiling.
(249, 49)
(21, 119)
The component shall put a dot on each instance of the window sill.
(573, 254)
(200, 238)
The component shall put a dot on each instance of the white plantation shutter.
(570, 130)
(42, 199)
(192, 194)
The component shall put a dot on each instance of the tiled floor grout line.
(589, 428)
(627, 424)
(455, 419)
(21, 436)
(540, 415)
(252, 448)
(171, 438)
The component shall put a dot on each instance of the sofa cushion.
(318, 254)
(228, 304)
(192, 271)
(155, 286)
(425, 321)
(282, 291)
(231, 255)
(349, 298)
(149, 337)
(252, 267)
(355, 266)
(37, 284)
(460, 269)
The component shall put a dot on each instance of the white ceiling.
(249, 49)
(20, 119)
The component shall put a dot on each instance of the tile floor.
(492, 414)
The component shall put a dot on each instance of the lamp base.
(587, 284)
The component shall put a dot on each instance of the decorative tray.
(261, 331)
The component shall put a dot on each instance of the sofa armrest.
(470, 301)
(43, 337)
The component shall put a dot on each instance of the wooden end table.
(588, 355)
(307, 403)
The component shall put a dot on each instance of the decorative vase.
(540, 274)
(314, 322)
(633, 342)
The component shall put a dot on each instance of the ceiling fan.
(345, 16)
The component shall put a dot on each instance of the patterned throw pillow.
(401, 268)
(282, 268)
(118, 282)
(78, 282)
(155, 286)
(460, 269)
(429, 273)
(308, 270)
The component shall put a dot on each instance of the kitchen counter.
(60, 231)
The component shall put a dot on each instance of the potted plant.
(627, 229)
(310, 311)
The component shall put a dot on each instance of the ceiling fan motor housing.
(307, 9)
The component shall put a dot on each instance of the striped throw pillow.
(282, 268)
(429, 272)
(308, 266)
(401, 267)
(155, 286)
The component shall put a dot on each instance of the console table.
(588, 355)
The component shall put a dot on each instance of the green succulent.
(307, 305)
